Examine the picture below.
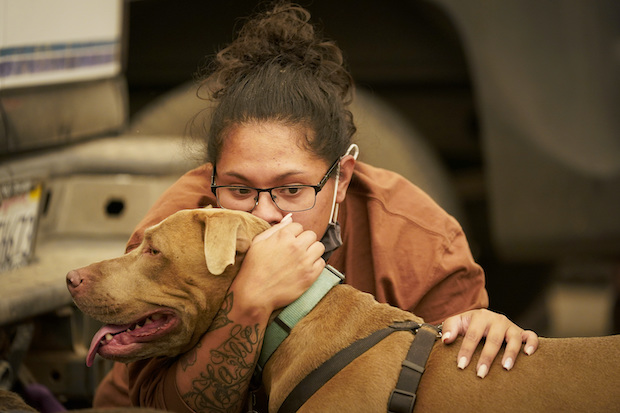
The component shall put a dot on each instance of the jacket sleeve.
(459, 284)
(429, 273)
(152, 383)
(113, 391)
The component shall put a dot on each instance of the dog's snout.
(74, 279)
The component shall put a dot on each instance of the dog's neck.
(282, 322)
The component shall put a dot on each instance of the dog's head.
(159, 299)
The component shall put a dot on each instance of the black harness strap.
(403, 396)
(321, 375)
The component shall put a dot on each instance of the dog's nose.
(73, 279)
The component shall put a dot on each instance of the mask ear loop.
(354, 151)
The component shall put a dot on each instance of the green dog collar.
(282, 325)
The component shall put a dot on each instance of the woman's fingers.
(473, 330)
(530, 338)
(275, 228)
(497, 331)
(283, 262)
(500, 329)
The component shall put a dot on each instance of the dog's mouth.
(120, 340)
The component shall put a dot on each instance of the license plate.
(19, 216)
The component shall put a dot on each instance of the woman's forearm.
(215, 375)
(281, 264)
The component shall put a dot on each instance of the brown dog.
(167, 287)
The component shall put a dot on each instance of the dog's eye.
(153, 251)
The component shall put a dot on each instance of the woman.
(279, 143)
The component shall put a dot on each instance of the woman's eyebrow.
(242, 177)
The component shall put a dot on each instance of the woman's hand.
(497, 328)
(282, 263)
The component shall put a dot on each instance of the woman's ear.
(347, 164)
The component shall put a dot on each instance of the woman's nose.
(267, 209)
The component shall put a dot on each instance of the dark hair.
(279, 69)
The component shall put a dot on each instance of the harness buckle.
(401, 401)
(439, 328)
(336, 273)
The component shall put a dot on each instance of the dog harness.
(402, 399)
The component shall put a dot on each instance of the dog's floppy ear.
(225, 235)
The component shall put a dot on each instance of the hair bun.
(283, 36)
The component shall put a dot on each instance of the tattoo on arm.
(223, 384)
(221, 319)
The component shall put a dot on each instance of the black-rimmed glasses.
(288, 198)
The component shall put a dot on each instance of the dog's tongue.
(99, 335)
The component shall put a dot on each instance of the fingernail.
(446, 336)
(482, 371)
(287, 217)
(508, 363)
(462, 363)
(529, 350)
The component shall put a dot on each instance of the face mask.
(332, 238)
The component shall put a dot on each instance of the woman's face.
(268, 154)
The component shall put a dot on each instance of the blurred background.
(504, 112)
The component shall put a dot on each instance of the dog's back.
(576, 374)
(563, 375)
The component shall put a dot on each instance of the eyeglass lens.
(287, 198)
